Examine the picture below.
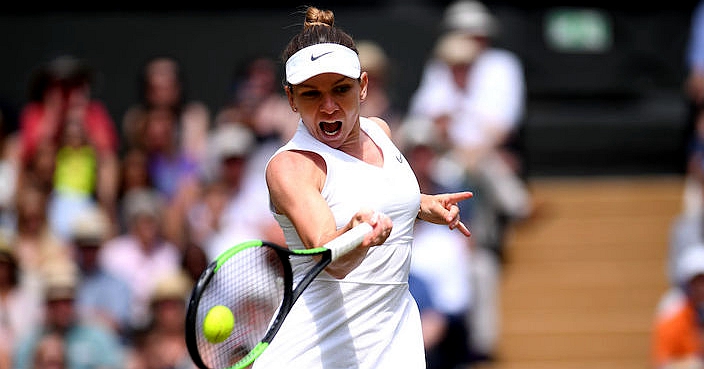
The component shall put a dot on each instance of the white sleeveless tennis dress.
(368, 320)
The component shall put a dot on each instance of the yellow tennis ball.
(218, 323)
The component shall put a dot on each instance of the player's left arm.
(438, 209)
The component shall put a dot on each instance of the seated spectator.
(141, 255)
(687, 229)
(234, 208)
(474, 94)
(163, 343)
(59, 90)
(162, 87)
(60, 95)
(677, 334)
(35, 243)
(88, 345)
(257, 101)
(101, 297)
(171, 171)
(20, 307)
(75, 183)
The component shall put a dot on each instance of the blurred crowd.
(106, 222)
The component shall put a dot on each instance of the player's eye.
(341, 89)
(310, 93)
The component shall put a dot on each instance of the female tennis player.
(338, 170)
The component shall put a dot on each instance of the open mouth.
(330, 128)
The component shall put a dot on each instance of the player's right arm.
(295, 180)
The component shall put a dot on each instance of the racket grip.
(347, 241)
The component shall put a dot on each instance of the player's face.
(329, 105)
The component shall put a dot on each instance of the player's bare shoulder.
(382, 123)
(295, 164)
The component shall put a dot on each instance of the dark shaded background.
(617, 112)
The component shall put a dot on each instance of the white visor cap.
(322, 58)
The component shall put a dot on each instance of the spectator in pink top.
(141, 255)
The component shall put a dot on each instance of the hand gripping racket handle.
(348, 240)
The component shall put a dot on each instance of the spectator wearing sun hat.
(101, 296)
(88, 345)
(163, 344)
(472, 93)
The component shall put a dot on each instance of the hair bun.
(318, 17)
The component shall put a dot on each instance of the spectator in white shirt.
(472, 96)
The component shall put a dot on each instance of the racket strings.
(251, 284)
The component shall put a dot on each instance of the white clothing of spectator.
(472, 94)
(475, 95)
(443, 260)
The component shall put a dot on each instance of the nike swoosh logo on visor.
(314, 58)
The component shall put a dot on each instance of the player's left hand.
(443, 209)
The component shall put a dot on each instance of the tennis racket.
(254, 280)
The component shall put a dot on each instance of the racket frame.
(329, 252)
(289, 298)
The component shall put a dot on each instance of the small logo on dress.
(399, 157)
(314, 58)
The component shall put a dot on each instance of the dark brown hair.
(318, 27)
(66, 71)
